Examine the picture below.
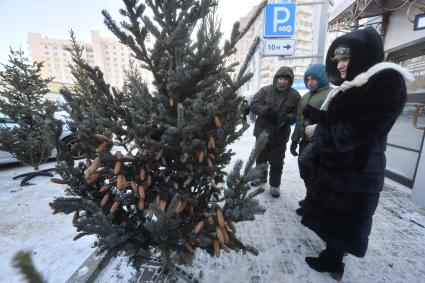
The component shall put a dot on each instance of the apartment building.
(269, 65)
(111, 56)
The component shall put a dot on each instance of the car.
(66, 136)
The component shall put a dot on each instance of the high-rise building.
(269, 65)
(108, 54)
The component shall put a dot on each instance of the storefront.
(403, 45)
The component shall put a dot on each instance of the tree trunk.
(166, 260)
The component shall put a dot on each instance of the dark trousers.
(274, 155)
(307, 170)
(304, 169)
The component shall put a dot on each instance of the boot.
(275, 192)
(259, 181)
(300, 211)
(329, 260)
(301, 202)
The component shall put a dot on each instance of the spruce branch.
(251, 52)
(23, 262)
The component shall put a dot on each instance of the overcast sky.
(56, 17)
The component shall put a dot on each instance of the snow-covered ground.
(396, 249)
(27, 223)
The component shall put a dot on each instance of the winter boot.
(259, 181)
(275, 192)
(300, 211)
(301, 202)
(329, 260)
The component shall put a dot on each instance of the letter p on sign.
(276, 20)
(279, 20)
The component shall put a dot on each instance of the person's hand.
(309, 131)
(285, 121)
(307, 111)
(293, 148)
(271, 115)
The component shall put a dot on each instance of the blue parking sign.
(279, 20)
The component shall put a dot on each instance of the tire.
(70, 141)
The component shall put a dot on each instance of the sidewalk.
(396, 247)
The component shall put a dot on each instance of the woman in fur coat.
(350, 138)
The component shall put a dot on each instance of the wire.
(422, 8)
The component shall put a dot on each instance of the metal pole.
(322, 26)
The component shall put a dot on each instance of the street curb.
(90, 268)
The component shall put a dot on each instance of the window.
(416, 66)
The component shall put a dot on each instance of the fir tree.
(165, 191)
(21, 98)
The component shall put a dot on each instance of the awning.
(348, 12)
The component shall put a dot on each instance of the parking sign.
(279, 20)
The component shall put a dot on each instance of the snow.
(83, 271)
(27, 223)
(395, 254)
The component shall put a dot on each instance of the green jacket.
(316, 100)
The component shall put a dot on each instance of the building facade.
(108, 54)
(268, 65)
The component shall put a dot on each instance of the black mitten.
(314, 115)
(271, 115)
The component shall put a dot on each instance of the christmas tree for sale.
(164, 189)
(30, 129)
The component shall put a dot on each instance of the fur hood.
(366, 50)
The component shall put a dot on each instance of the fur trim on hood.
(363, 78)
